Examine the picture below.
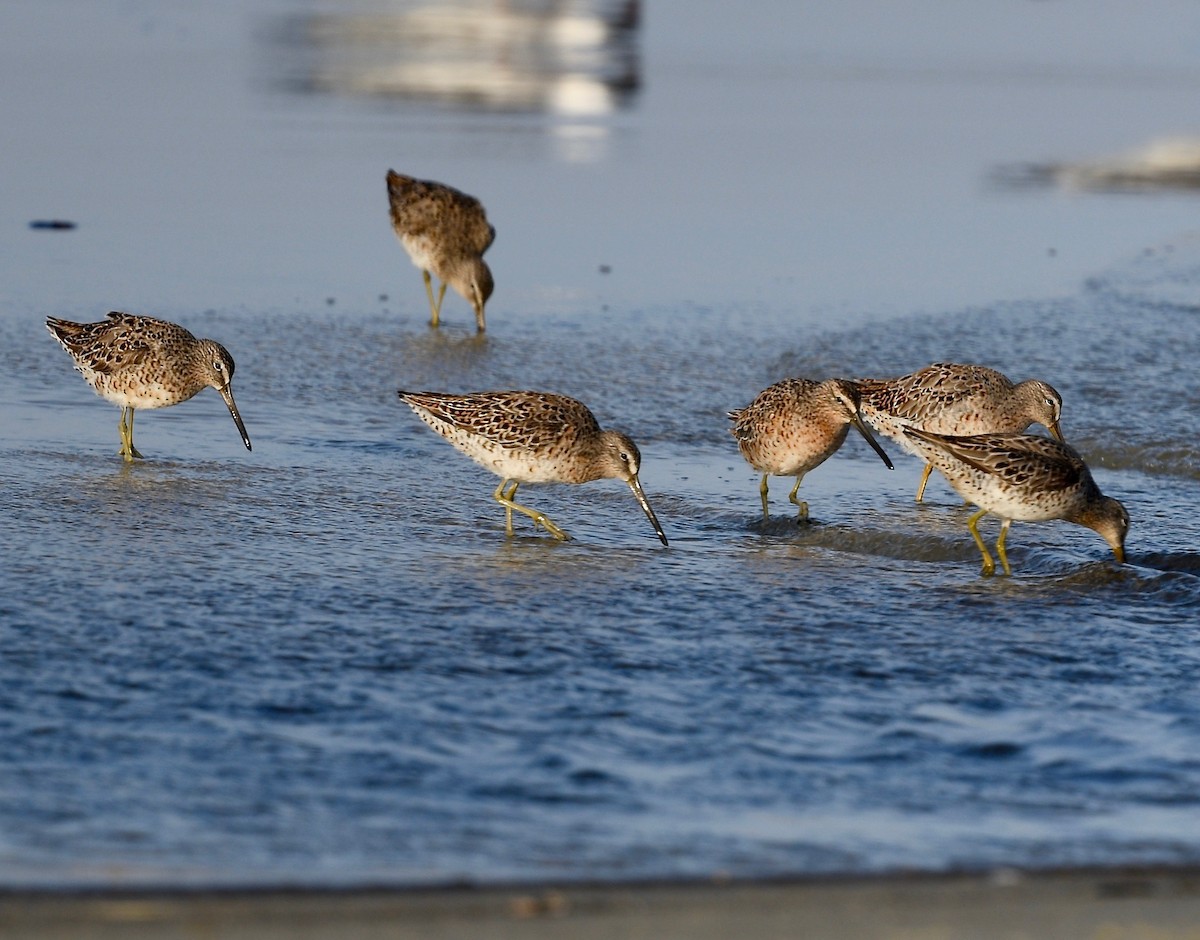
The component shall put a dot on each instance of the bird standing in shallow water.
(444, 232)
(1024, 477)
(796, 425)
(532, 437)
(140, 362)
(960, 400)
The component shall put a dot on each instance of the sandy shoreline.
(1156, 903)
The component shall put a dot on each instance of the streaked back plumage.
(794, 426)
(139, 362)
(957, 399)
(445, 232)
(1025, 477)
(532, 437)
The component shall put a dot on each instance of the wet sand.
(1162, 904)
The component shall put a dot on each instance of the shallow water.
(323, 661)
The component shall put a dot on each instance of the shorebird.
(1023, 477)
(445, 232)
(140, 362)
(796, 425)
(532, 437)
(951, 398)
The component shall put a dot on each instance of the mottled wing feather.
(122, 343)
(1023, 460)
(468, 219)
(771, 402)
(525, 420)
(930, 391)
(108, 346)
(421, 208)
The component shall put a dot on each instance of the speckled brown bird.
(957, 399)
(532, 437)
(445, 232)
(796, 425)
(140, 362)
(1023, 477)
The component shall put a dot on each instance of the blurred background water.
(323, 662)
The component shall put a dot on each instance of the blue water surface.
(324, 663)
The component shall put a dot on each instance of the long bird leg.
(507, 501)
(435, 307)
(507, 508)
(989, 566)
(128, 451)
(1000, 546)
(803, 517)
(762, 491)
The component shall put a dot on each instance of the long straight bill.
(237, 418)
(641, 498)
(865, 432)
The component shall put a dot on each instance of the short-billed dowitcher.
(956, 399)
(141, 362)
(532, 437)
(794, 426)
(1023, 477)
(444, 232)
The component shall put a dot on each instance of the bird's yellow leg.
(803, 517)
(133, 450)
(506, 499)
(924, 481)
(128, 451)
(441, 297)
(1000, 546)
(762, 491)
(434, 306)
(989, 566)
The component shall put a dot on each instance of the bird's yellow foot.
(540, 520)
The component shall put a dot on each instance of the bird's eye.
(219, 366)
